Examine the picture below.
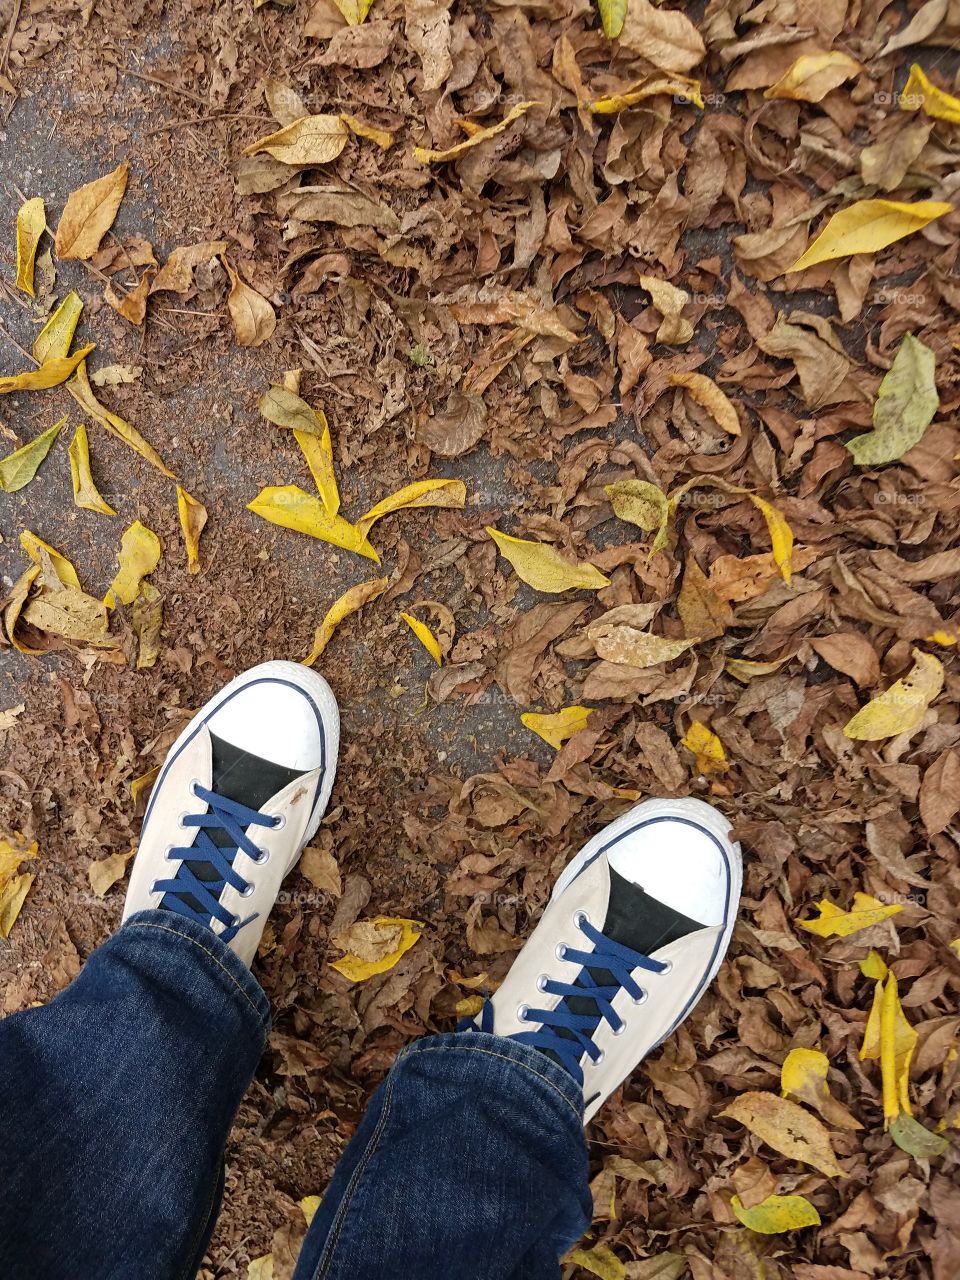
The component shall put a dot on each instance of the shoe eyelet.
(180, 821)
(580, 918)
(542, 982)
(262, 857)
(561, 951)
(667, 968)
(618, 1031)
(234, 921)
(167, 852)
(522, 1011)
(640, 999)
(194, 783)
(279, 822)
(598, 1059)
(245, 893)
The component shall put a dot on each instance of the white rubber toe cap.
(280, 711)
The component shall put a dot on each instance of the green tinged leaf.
(613, 14)
(904, 408)
(18, 468)
(912, 1137)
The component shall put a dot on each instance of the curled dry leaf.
(193, 519)
(889, 1038)
(674, 87)
(425, 636)
(427, 156)
(52, 373)
(308, 141)
(253, 317)
(382, 137)
(350, 602)
(176, 274)
(669, 301)
(422, 493)
(289, 506)
(147, 613)
(85, 490)
(31, 224)
(920, 93)
(18, 468)
(89, 213)
(814, 75)
(133, 304)
(556, 728)
(79, 387)
(374, 946)
(544, 568)
(901, 708)
(139, 555)
(869, 226)
(706, 392)
(105, 872)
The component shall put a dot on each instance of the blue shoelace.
(231, 817)
(607, 969)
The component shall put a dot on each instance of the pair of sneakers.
(635, 930)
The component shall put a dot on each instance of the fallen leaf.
(612, 15)
(193, 518)
(422, 493)
(706, 392)
(906, 403)
(852, 653)
(382, 137)
(285, 104)
(254, 320)
(17, 469)
(781, 535)
(38, 551)
(641, 503)
(12, 895)
(456, 428)
(116, 375)
(176, 274)
(311, 140)
(104, 873)
(804, 1075)
(917, 1141)
(425, 636)
(132, 305)
(544, 568)
(285, 409)
(79, 387)
(147, 615)
(51, 373)
(8, 716)
(706, 748)
(428, 156)
(321, 869)
(599, 1261)
(31, 224)
(374, 946)
(73, 614)
(890, 1038)
(139, 555)
(143, 783)
(669, 301)
(56, 336)
(664, 37)
(867, 226)
(354, 10)
(427, 29)
(89, 213)
(291, 507)
(261, 1268)
(85, 492)
(555, 729)
(350, 602)
(901, 708)
(675, 87)
(814, 75)
(921, 93)
(834, 922)
(635, 648)
(776, 1214)
(786, 1128)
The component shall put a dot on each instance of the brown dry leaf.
(176, 274)
(665, 37)
(428, 156)
(105, 872)
(852, 653)
(455, 429)
(311, 140)
(320, 867)
(627, 645)
(669, 301)
(89, 213)
(787, 1128)
(253, 317)
(147, 613)
(427, 29)
(133, 304)
(193, 518)
(706, 392)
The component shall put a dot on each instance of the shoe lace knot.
(205, 867)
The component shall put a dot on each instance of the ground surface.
(447, 810)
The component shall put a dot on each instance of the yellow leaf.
(706, 748)
(632, 647)
(422, 493)
(85, 492)
(425, 636)
(309, 1206)
(354, 10)
(889, 1037)
(706, 392)
(18, 468)
(641, 503)
(105, 873)
(89, 213)
(544, 568)
(50, 374)
(469, 1006)
(374, 946)
(902, 707)
(804, 1075)
(673, 86)
(669, 301)
(139, 555)
(36, 549)
(613, 14)
(14, 607)
(921, 92)
(600, 1260)
(291, 507)
(834, 922)
(873, 965)
(193, 518)
(147, 621)
(781, 535)
(786, 1128)
(868, 226)
(143, 783)
(955, 947)
(286, 409)
(79, 387)
(12, 896)
(261, 1268)
(427, 156)
(12, 853)
(813, 76)
(341, 608)
(31, 224)
(557, 728)
(72, 614)
(318, 451)
(776, 1214)
(55, 337)
(382, 137)
(253, 317)
(308, 141)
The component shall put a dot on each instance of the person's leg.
(117, 1098)
(471, 1162)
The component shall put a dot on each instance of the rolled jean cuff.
(542, 1074)
(162, 937)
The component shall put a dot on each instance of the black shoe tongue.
(250, 780)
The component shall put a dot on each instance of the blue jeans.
(116, 1100)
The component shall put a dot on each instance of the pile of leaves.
(652, 343)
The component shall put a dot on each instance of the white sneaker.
(241, 792)
(635, 931)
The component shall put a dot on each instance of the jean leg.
(470, 1163)
(115, 1104)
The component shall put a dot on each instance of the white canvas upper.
(281, 712)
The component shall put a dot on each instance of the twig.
(10, 338)
(210, 119)
(11, 32)
(162, 84)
